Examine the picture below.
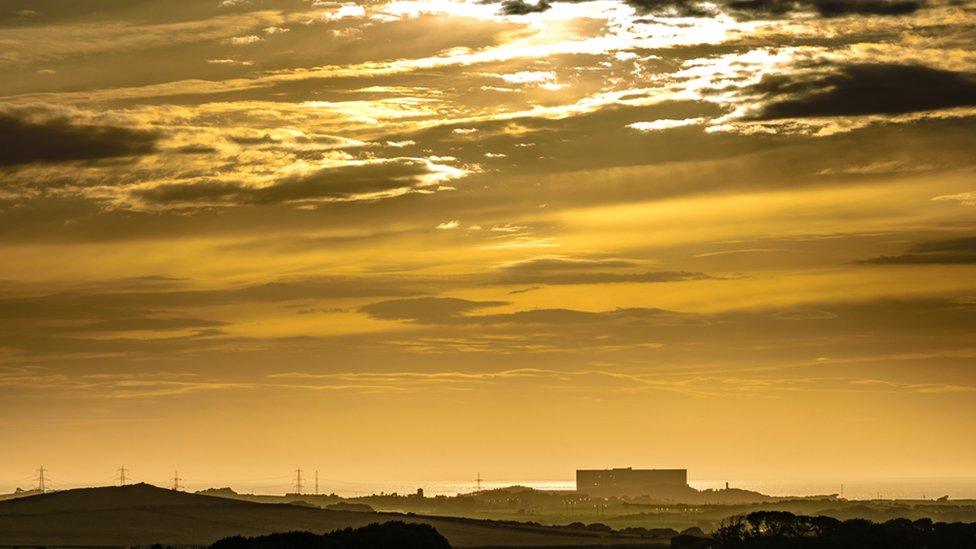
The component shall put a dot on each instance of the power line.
(41, 487)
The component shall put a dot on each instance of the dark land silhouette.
(390, 535)
(775, 530)
(141, 514)
(705, 509)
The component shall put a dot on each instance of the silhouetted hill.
(346, 506)
(144, 515)
(226, 491)
(391, 535)
(19, 493)
(122, 497)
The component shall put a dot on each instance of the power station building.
(631, 483)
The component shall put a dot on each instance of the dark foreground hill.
(143, 515)
(391, 535)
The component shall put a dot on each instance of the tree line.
(781, 529)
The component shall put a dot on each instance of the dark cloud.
(330, 183)
(564, 270)
(956, 251)
(203, 192)
(196, 149)
(30, 141)
(742, 8)
(578, 277)
(616, 319)
(263, 139)
(862, 89)
(836, 8)
(828, 8)
(520, 7)
(524, 290)
(685, 8)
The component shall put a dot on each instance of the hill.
(143, 515)
(391, 535)
(19, 493)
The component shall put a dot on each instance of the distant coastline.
(856, 489)
(870, 489)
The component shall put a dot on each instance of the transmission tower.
(298, 481)
(478, 480)
(176, 480)
(316, 482)
(122, 472)
(41, 486)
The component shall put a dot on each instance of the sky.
(419, 239)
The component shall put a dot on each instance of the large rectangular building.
(630, 482)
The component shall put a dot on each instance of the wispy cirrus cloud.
(956, 251)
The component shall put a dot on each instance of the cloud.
(529, 77)
(12, 10)
(692, 384)
(426, 310)
(149, 316)
(956, 251)
(69, 29)
(520, 7)
(600, 277)
(558, 263)
(52, 140)
(557, 270)
(665, 124)
(95, 304)
(143, 324)
(828, 8)
(245, 40)
(688, 8)
(861, 89)
(966, 198)
(361, 180)
(748, 339)
(454, 311)
(741, 8)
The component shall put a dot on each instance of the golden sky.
(419, 239)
